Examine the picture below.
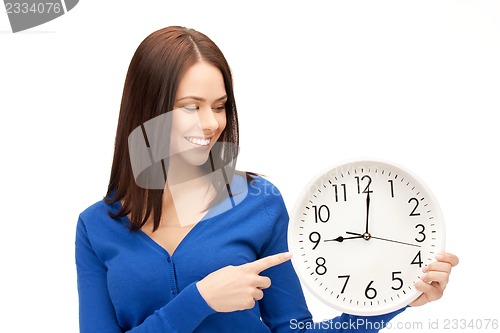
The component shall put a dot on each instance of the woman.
(182, 242)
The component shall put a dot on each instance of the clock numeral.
(337, 194)
(399, 280)
(322, 213)
(415, 200)
(392, 187)
(320, 268)
(370, 292)
(315, 237)
(346, 277)
(421, 232)
(367, 188)
(417, 260)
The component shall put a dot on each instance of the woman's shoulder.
(263, 192)
(97, 212)
(260, 185)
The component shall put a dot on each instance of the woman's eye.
(220, 108)
(190, 108)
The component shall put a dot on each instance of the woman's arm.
(97, 314)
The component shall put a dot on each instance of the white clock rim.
(305, 193)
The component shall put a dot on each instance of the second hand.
(384, 239)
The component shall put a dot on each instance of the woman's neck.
(186, 197)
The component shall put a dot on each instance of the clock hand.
(340, 239)
(394, 241)
(384, 239)
(367, 210)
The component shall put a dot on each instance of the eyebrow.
(201, 99)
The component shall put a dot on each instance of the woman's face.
(199, 114)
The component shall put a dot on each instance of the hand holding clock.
(433, 283)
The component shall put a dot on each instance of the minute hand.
(367, 210)
(385, 239)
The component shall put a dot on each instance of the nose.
(208, 120)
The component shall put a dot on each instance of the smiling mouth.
(202, 142)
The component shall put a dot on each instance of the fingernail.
(425, 269)
(287, 255)
(439, 256)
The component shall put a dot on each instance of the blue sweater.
(129, 283)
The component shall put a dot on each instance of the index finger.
(268, 262)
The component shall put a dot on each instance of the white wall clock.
(361, 232)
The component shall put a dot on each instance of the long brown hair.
(149, 91)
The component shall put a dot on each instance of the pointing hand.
(234, 288)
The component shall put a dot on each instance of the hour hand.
(340, 239)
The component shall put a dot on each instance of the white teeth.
(198, 141)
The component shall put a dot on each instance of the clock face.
(361, 233)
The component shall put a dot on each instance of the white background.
(415, 82)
